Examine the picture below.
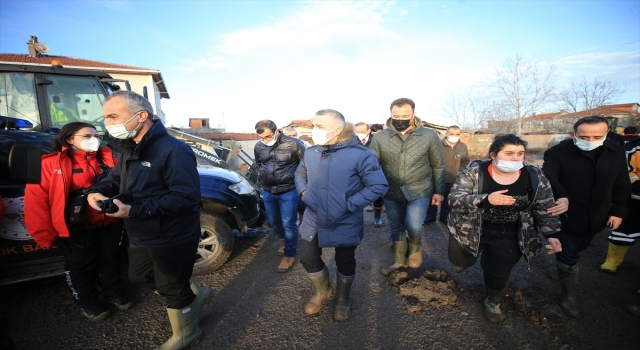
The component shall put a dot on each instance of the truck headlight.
(242, 187)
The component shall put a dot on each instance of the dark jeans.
(500, 253)
(432, 212)
(167, 270)
(281, 210)
(571, 247)
(311, 257)
(92, 256)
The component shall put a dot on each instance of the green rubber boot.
(492, 301)
(342, 306)
(184, 323)
(322, 290)
(415, 255)
(569, 282)
(399, 256)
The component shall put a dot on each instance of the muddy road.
(255, 307)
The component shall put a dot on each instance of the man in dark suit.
(590, 182)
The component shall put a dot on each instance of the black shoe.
(94, 311)
(122, 302)
(428, 221)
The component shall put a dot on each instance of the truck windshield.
(72, 99)
(18, 97)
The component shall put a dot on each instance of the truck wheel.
(216, 244)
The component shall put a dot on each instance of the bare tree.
(587, 95)
(471, 109)
(525, 86)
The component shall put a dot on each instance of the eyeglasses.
(267, 138)
(88, 136)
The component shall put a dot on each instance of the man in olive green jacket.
(412, 161)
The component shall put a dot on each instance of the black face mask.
(400, 124)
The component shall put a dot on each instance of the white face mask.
(453, 139)
(319, 137)
(586, 145)
(508, 166)
(120, 131)
(361, 137)
(90, 145)
(272, 142)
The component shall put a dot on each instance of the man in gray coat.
(337, 178)
(412, 161)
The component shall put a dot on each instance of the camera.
(108, 207)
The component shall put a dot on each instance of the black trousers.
(167, 270)
(92, 259)
(500, 253)
(311, 257)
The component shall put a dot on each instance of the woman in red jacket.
(91, 249)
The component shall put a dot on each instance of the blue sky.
(284, 60)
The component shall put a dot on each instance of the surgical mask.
(508, 166)
(272, 142)
(319, 137)
(362, 136)
(400, 124)
(453, 139)
(90, 145)
(59, 105)
(586, 145)
(120, 131)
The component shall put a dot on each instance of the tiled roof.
(45, 60)
(299, 123)
(605, 110)
(541, 116)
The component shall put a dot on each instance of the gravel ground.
(428, 308)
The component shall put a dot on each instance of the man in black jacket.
(589, 178)
(277, 157)
(157, 180)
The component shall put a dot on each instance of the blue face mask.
(60, 105)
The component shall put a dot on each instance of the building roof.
(541, 116)
(80, 63)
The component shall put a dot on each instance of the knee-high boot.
(569, 282)
(322, 290)
(342, 306)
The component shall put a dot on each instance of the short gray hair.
(337, 116)
(135, 102)
(285, 130)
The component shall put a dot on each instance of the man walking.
(589, 179)
(159, 190)
(412, 161)
(456, 157)
(337, 179)
(277, 157)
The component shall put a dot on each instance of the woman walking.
(497, 208)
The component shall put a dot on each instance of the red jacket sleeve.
(2, 209)
(37, 212)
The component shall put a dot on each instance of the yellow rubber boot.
(615, 255)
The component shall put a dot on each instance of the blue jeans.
(407, 216)
(282, 213)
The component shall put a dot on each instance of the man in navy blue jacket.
(159, 188)
(337, 178)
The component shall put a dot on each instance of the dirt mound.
(420, 288)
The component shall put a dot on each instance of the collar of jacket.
(570, 146)
(415, 128)
(346, 138)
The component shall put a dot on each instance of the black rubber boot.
(322, 290)
(342, 306)
(377, 217)
(492, 301)
(415, 255)
(569, 282)
(399, 256)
